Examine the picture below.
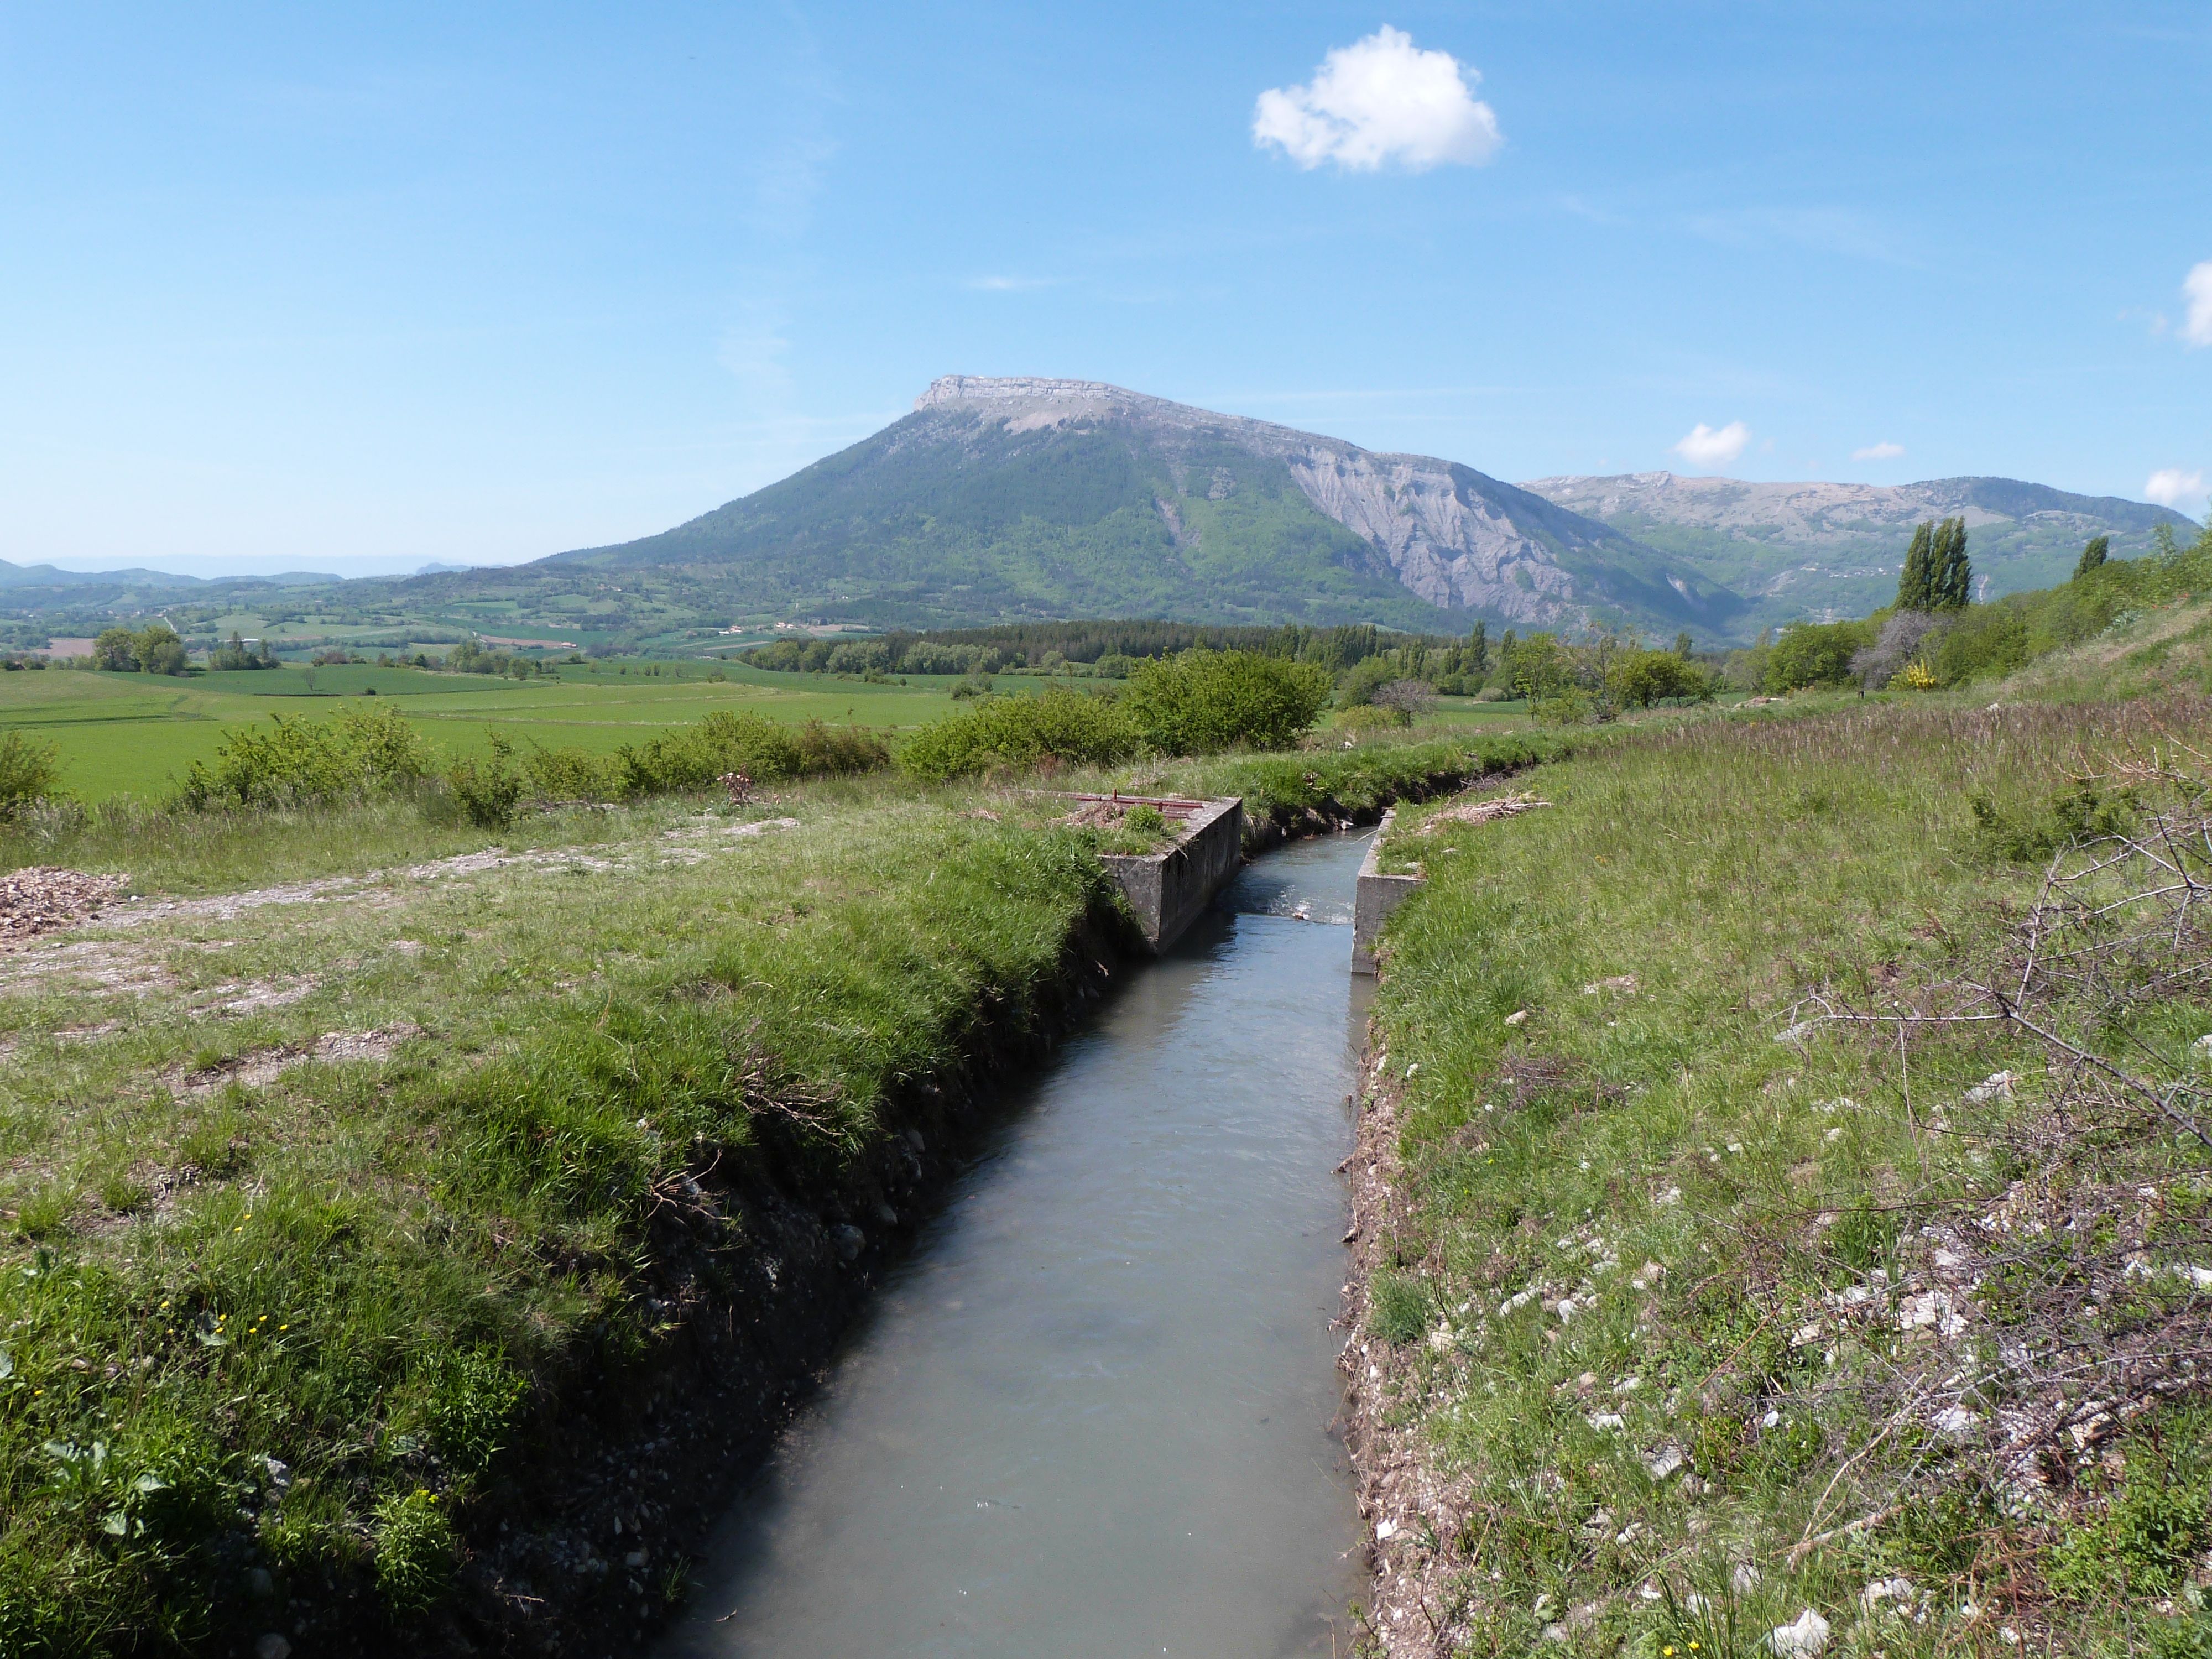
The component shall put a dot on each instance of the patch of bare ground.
(1480, 811)
(42, 899)
(264, 1065)
(85, 967)
(1408, 1501)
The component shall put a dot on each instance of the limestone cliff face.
(1457, 539)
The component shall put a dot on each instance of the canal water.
(1092, 1414)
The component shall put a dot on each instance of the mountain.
(46, 575)
(1000, 499)
(1833, 549)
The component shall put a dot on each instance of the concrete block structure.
(1169, 889)
(1374, 897)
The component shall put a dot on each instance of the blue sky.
(355, 289)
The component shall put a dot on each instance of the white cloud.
(2197, 285)
(1880, 452)
(1379, 101)
(2169, 486)
(1008, 284)
(1706, 447)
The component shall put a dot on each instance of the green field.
(138, 734)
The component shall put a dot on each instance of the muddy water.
(1090, 1416)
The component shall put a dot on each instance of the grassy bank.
(358, 1175)
(372, 1178)
(1728, 1252)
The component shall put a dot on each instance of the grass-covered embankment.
(352, 1219)
(1732, 1250)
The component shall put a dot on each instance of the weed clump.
(415, 1552)
(1398, 1306)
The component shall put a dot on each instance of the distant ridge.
(1834, 548)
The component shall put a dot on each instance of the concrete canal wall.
(1170, 891)
(1374, 897)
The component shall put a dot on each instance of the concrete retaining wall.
(1374, 897)
(1170, 891)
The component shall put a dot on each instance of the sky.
(351, 289)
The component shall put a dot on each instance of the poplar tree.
(1938, 574)
(2098, 550)
(1952, 587)
(1916, 583)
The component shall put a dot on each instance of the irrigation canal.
(1091, 1414)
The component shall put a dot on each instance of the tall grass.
(1579, 1022)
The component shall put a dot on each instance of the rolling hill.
(1832, 549)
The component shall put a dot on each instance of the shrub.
(1366, 678)
(1019, 732)
(1815, 653)
(1373, 717)
(570, 774)
(413, 1552)
(352, 756)
(27, 771)
(1199, 703)
(1986, 640)
(1894, 648)
(1637, 679)
(1411, 698)
(2143, 1545)
(824, 749)
(694, 757)
(487, 790)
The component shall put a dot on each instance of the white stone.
(1806, 1634)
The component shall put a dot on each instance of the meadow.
(138, 734)
(1783, 1186)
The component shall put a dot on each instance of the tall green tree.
(1478, 646)
(2098, 550)
(1916, 582)
(1682, 645)
(116, 650)
(1952, 587)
